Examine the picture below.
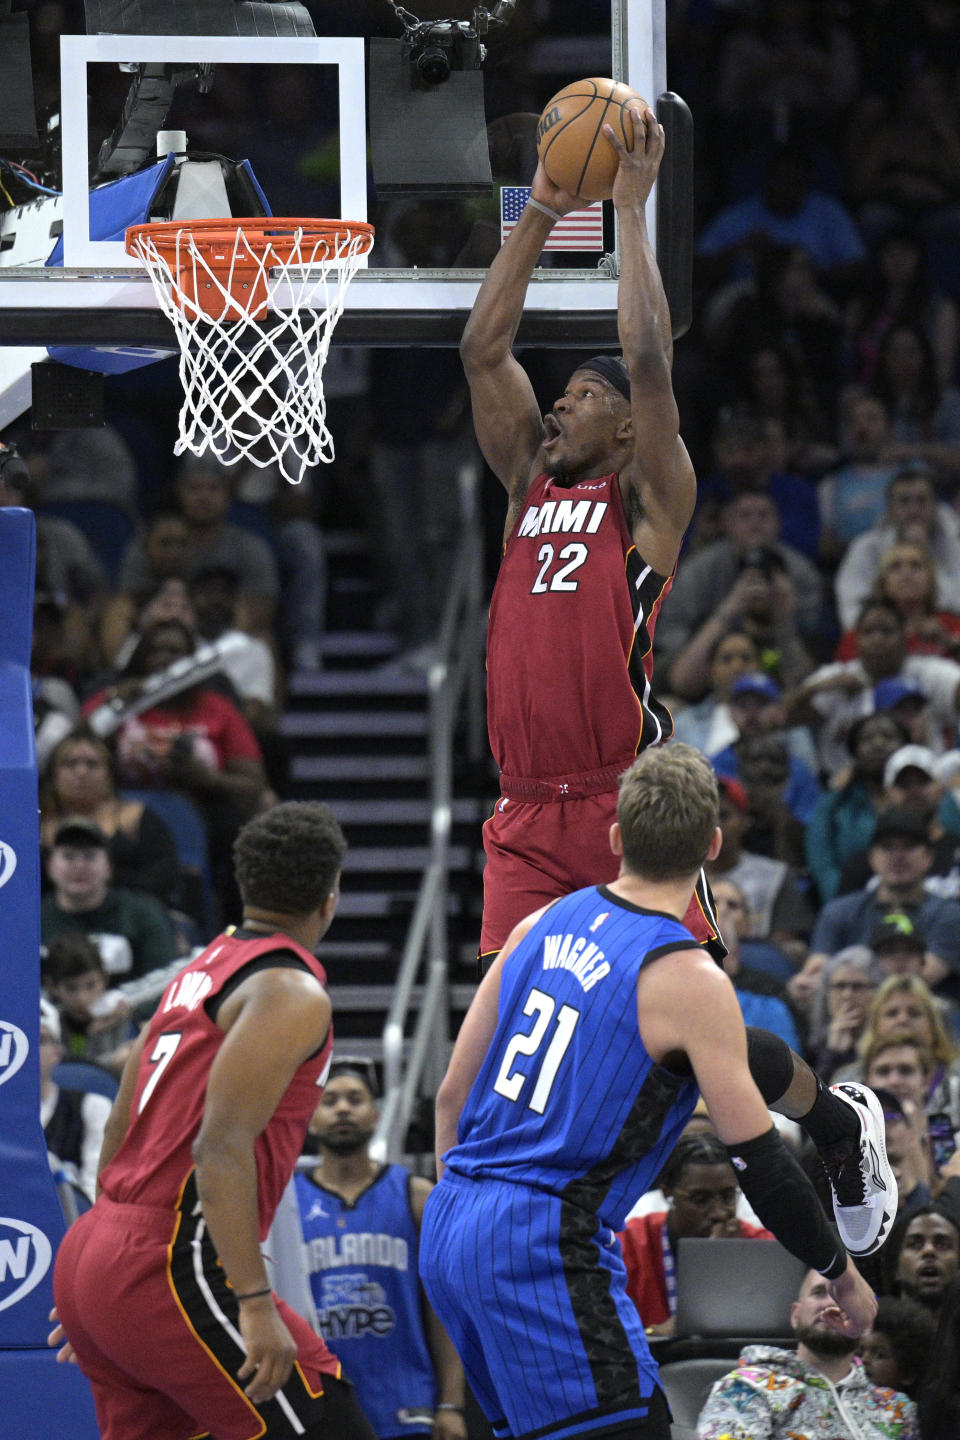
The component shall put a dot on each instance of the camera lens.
(433, 67)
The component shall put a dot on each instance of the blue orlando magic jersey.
(567, 1099)
(363, 1273)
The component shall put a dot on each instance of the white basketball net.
(253, 382)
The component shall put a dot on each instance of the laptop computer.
(736, 1288)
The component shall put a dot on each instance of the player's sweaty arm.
(471, 1047)
(506, 415)
(273, 1022)
(118, 1121)
(660, 471)
(687, 1007)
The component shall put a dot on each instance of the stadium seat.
(186, 824)
(686, 1384)
(84, 1075)
(108, 527)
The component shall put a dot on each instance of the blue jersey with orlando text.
(363, 1260)
(568, 1100)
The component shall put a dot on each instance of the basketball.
(573, 149)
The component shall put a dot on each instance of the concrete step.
(395, 904)
(319, 684)
(464, 810)
(338, 724)
(346, 998)
(372, 859)
(365, 769)
(370, 645)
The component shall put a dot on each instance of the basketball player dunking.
(600, 492)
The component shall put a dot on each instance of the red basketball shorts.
(537, 852)
(155, 1328)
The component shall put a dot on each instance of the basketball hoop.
(254, 303)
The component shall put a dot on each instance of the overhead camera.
(435, 48)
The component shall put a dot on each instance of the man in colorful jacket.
(821, 1392)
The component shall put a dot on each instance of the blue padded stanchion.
(39, 1396)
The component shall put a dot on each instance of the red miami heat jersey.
(570, 643)
(154, 1161)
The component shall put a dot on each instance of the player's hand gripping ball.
(572, 147)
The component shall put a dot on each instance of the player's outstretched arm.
(660, 472)
(506, 417)
(274, 1021)
(469, 1053)
(472, 1045)
(687, 1007)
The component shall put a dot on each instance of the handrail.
(456, 671)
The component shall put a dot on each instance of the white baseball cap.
(916, 757)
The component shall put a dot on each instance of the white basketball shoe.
(861, 1177)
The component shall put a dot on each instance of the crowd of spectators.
(810, 644)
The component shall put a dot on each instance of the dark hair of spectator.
(288, 859)
(890, 1254)
(928, 389)
(214, 574)
(874, 286)
(363, 1070)
(940, 1395)
(909, 1329)
(70, 956)
(80, 734)
(702, 1149)
(876, 602)
(134, 666)
(858, 726)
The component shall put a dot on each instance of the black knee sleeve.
(771, 1063)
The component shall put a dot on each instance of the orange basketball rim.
(221, 267)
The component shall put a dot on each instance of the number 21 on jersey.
(512, 1077)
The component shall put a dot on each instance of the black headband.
(612, 369)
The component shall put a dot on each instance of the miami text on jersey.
(580, 517)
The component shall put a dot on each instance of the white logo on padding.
(25, 1255)
(8, 862)
(14, 1049)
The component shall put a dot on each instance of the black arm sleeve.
(786, 1202)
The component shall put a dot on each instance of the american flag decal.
(580, 230)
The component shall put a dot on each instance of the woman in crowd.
(164, 599)
(924, 413)
(838, 1013)
(905, 1005)
(708, 724)
(907, 577)
(844, 817)
(896, 286)
(80, 780)
(194, 741)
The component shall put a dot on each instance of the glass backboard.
(333, 124)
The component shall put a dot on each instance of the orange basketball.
(573, 149)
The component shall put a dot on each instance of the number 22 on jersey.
(511, 1077)
(573, 556)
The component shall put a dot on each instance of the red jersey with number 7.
(155, 1160)
(570, 642)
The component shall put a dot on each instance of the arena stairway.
(357, 735)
